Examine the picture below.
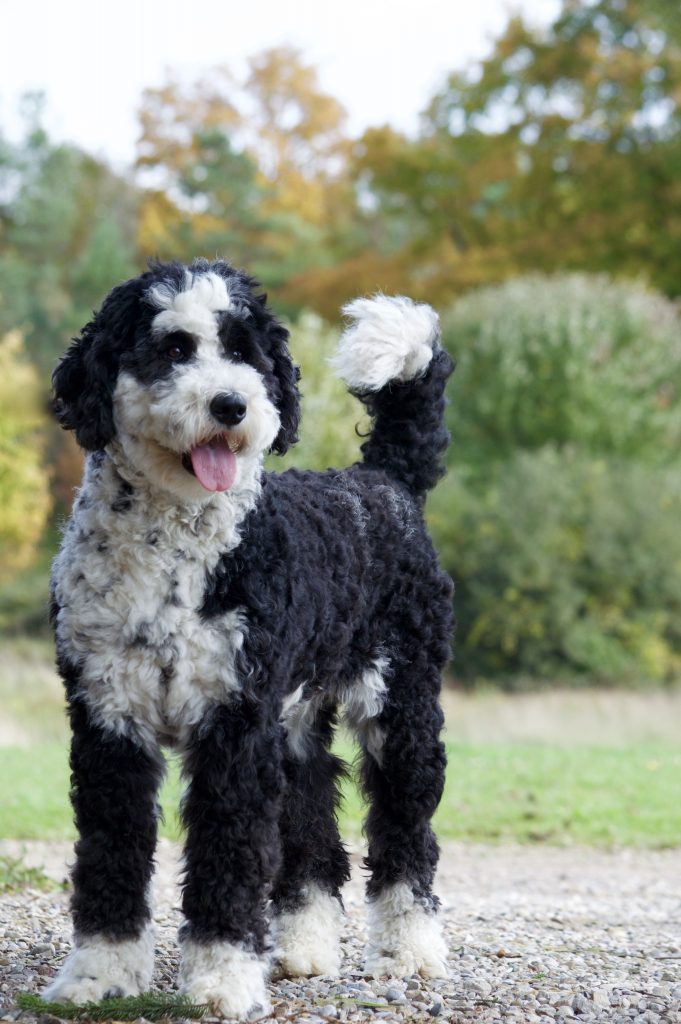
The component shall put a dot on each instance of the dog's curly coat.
(202, 603)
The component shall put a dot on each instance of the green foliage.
(565, 360)
(148, 1006)
(24, 597)
(24, 494)
(567, 565)
(329, 413)
(559, 520)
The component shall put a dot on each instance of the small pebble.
(580, 1004)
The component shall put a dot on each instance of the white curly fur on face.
(97, 966)
(157, 423)
(404, 937)
(389, 338)
(231, 979)
(307, 940)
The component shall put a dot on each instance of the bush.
(566, 565)
(24, 491)
(329, 413)
(565, 360)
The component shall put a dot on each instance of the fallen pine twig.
(128, 1008)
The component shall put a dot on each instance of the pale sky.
(383, 59)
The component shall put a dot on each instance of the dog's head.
(188, 371)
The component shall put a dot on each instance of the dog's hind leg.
(114, 783)
(231, 810)
(315, 865)
(403, 776)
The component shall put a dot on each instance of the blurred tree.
(66, 234)
(255, 171)
(297, 133)
(24, 490)
(562, 149)
(202, 194)
(173, 119)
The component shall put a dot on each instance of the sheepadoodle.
(235, 615)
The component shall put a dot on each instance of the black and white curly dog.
(234, 615)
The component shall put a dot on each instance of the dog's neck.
(111, 480)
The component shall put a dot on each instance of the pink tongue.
(214, 464)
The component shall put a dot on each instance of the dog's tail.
(391, 358)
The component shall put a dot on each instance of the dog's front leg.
(231, 812)
(114, 783)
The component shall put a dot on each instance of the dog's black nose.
(230, 409)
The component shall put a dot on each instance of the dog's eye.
(236, 341)
(177, 346)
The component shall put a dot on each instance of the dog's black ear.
(83, 390)
(287, 376)
(84, 381)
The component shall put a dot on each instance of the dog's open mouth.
(213, 463)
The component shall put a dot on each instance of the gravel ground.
(536, 934)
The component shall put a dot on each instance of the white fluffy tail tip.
(389, 338)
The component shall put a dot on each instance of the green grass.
(601, 796)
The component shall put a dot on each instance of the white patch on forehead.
(194, 308)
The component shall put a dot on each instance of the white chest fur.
(129, 582)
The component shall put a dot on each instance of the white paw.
(307, 940)
(99, 969)
(229, 978)
(404, 938)
(430, 964)
(390, 338)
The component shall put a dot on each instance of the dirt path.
(535, 934)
